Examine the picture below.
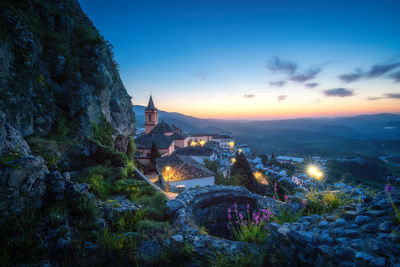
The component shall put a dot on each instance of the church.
(162, 134)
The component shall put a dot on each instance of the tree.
(154, 153)
(213, 166)
(131, 149)
(241, 166)
(264, 159)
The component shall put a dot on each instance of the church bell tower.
(151, 116)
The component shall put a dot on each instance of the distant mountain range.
(376, 133)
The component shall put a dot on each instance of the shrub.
(99, 186)
(155, 206)
(131, 149)
(325, 202)
(83, 210)
(127, 221)
(102, 132)
(150, 225)
(119, 159)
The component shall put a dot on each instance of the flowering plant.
(251, 227)
(388, 189)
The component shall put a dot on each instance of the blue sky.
(256, 59)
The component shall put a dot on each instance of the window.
(149, 117)
(148, 154)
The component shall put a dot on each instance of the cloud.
(282, 98)
(279, 65)
(339, 92)
(311, 85)
(393, 96)
(374, 72)
(396, 76)
(351, 77)
(248, 96)
(277, 83)
(379, 70)
(309, 74)
(202, 76)
(373, 98)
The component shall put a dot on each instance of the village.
(175, 160)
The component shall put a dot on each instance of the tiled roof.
(146, 141)
(222, 137)
(178, 136)
(151, 105)
(162, 127)
(195, 151)
(185, 166)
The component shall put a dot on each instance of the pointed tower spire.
(151, 116)
(151, 105)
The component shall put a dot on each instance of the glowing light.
(311, 170)
(231, 144)
(202, 142)
(193, 143)
(257, 175)
(168, 168)
(233, 160)
(314, 172)
(240, 150)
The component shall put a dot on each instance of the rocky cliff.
(62, 101)
(57, 73)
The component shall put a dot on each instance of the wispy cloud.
(307, 75)
(374, 72)
(373, 98)
(280, 65)
(277, 84)
(317, 100)
(248, 96)
(282, 98)
(339, 92)
(202, 76)
(311, 85)
(393, 96)
(395, 76)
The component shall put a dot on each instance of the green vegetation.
(154, 153)
(213, 166)
(227, 259)
(102, 132)
(367, 170)
(131, 149)
(6, 160)
(20, 235)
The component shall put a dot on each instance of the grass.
(102, 132)
(227, 259)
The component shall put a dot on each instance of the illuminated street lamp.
(231, 144)
(315, 173)
(193, 143)
(233, 160)
(168, 168)
(202, 142)
(240, 150)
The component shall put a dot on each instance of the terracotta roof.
(183, 167)
(162, 127)
(195, 151)
(178, 136)
(151, 105)
(146, 141)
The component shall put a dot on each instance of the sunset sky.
(256, 59)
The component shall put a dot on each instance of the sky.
(256, 59)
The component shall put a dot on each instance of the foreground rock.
(22, 175)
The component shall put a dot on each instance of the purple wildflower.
(274, 198)
(228, 226)
(247, 206)
(286, 197)
(389, 188)
(229, 217)
(229, 210)
(240, 216)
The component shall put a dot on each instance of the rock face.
(56, 72)
(363, 235)
(21, 174)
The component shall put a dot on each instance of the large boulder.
(21, 174)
